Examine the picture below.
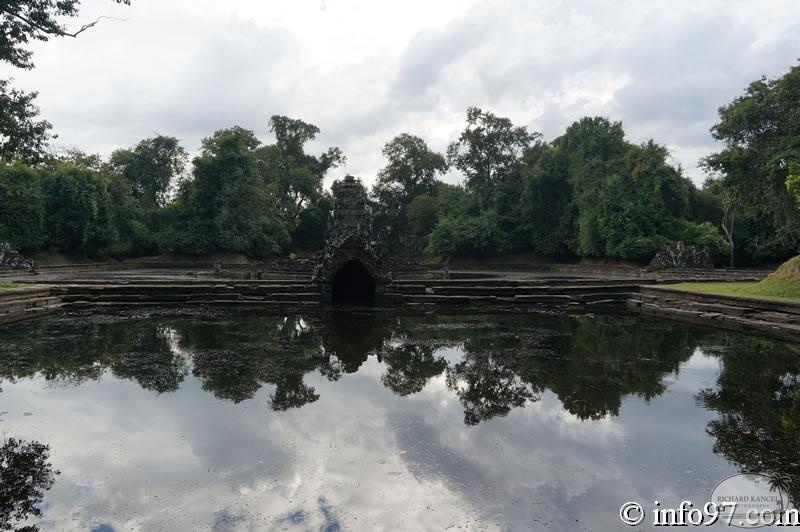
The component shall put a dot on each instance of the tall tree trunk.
(728, 221)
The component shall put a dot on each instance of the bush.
(468, 235)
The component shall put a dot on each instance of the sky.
(365, 71)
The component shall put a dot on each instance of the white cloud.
(365, 71)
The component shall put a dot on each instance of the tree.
(22, 135)
(592, 193)
(24, 21)
(21, 207)
(80, 216)
(227, 206)
(760, 131)
(590, 150)
(151, 167)
(727, 217)
(296, 175)
(410, 172)
(292, 134)
(548, 217)
(421, 218)
(411, 165)
(486, 151)
(309, 232)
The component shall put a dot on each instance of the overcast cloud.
(365, 71)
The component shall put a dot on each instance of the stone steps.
(184, 289)
(27, 314)
(773, 318)
(193, 298)
(23, 293)
(19, 305)
(546, 297)
(22, 304)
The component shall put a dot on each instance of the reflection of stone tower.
(350, 270)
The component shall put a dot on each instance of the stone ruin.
(350, 270)
(682, 256)
(13, 259)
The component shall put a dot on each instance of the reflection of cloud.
(696, 373)
(361, 457)
(225, 521)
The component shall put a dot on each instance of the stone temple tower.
(350, 271)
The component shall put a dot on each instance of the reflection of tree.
(593, 367)
(149, 360)
(76, 352)
(236, 360)
(25, 475)
(758, 398)
(292, 392)
(585, 361)
(409, 367)
(486, 387)
(591, 364)
(233, 358)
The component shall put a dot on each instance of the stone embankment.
(288, 293)
(576, 293)
(426, 291)
(24, 303)
(777, 319)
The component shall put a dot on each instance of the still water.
(378, 421)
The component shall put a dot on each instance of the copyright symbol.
(631, 513)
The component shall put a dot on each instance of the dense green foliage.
(224, 208)
(405, 209)
(756, 173)
(22, 134)
(588, 193)
(241, 197)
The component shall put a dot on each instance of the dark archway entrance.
(353, 284)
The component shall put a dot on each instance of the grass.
(11, 284)
(776, 289)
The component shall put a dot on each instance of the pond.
(156, 420)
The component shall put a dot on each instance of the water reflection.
(757, 395)
(501, 421)
(507, 361)
(25, 476)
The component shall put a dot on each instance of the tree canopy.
(22, 134)
(486, 152)
(24, 21)
(588, 193)
(404, 191)
(151, 167)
